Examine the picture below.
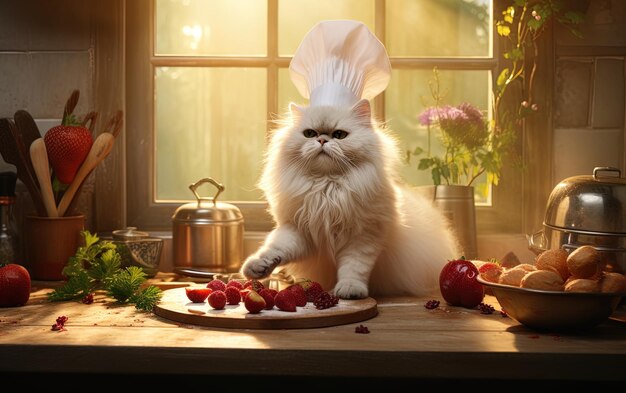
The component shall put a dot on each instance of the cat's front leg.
(284, 244)
(355, 264)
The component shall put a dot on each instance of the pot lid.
(130, 233)
(207, 210)
(589, 203)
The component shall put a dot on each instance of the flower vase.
(457, 205)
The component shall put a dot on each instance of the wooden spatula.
(39, 158)
(99, 150)
(12, 151)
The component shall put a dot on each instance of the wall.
(589, 93)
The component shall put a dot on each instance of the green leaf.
(573, 17)
(504, 74)
(418, 150)
(146, 298)
(520, 3)
(535, 24)
(106, 266)
(436, 174)
(125, 283)
(425, 163)
(77, 286)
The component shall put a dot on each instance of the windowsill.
(489, 246)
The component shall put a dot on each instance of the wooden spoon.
(99, 150)
(39, 158)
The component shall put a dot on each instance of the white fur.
(343, 217)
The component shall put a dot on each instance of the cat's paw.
(350, 289)
(259, 267)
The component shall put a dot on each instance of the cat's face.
(330, 140)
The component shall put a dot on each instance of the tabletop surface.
(405, 340)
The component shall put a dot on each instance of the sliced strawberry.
(198, 295)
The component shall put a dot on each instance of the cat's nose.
(322, 141)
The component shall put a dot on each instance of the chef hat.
(338, 63)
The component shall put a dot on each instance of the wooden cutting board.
(175, 306)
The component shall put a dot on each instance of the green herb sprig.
(97, 265)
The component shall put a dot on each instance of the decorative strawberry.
(285, 300)
(458, 284)
(312, 289)
(67, 147)
(254, 302)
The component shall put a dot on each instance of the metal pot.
(207, 234)
(587, 210)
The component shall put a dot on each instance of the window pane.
(408, 95)
(287, 92)
(297, 17)
(210, 122)
(438, 28)
(211, 28)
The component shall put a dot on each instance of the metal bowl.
(554, 310)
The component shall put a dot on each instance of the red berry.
(216, 285)
(234, 283)
(311, 288)
(217, 300)
(325, 300)
(232, 295)
(269, 295)
(431, 304)
(299, 294)
(198, 295)
(285, 300)
(254, 302)
(67, 147)
(244, 292)
(256, 285)
(458, 284)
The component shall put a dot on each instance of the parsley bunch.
(97, 265)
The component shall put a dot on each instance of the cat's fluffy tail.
(419, 245)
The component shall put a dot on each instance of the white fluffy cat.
(343, 218)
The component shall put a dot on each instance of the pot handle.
(536, 246)
(194, 186)
(598, 169)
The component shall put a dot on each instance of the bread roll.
(555, 260)
(583, 262)
(582, 285)
(512, 276)
(545, 280)
(613, 283)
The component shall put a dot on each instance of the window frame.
(508, 203)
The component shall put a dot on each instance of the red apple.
(14, 285)
(458, 284)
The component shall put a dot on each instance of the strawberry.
(67, 147)
(299, 294)
(244, 292)
(234, 283)
(216, 285)
(311, 288)
(269, 295)
(217, 300)
(232, 295)
(254, 302)
(255, 285)
(285, 300)
(198, 295)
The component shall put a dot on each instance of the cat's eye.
(339, 134)
(309, 133)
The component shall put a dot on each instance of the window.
(206, 77)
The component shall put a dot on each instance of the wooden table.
(406, 340)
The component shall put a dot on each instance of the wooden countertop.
(406, 340)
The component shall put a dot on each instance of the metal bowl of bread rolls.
(560, 291)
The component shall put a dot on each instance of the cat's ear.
(363, 111)
(295, 110)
